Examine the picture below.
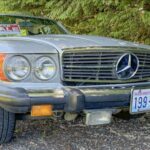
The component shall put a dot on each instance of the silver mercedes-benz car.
(45, 71)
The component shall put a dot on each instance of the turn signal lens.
(2, 74)
(41, 110)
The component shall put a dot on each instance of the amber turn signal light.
(41, 110)
(2, 74)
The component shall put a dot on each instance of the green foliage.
(124, 19)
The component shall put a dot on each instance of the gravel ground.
(62, 135)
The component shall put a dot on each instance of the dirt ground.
(62, 135)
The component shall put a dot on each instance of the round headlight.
(17, 68)
(45, 68)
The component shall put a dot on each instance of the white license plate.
(140, 101)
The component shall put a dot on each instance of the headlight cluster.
(45, 68)
(18, 68)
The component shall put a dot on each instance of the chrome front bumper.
(68, 99)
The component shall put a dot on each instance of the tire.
(7, 125)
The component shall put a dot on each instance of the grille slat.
(91, 66)
(87, 62)
(87, 73)
(88, 58)
(88, 77)
(98, 65)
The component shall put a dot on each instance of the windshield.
(33, 26)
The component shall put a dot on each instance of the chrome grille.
(99, 64)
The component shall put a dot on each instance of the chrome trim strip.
(52, 86)
(127, 85)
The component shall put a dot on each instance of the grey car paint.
(56, 43)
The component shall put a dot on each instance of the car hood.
(57, 43)
(74, 41)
